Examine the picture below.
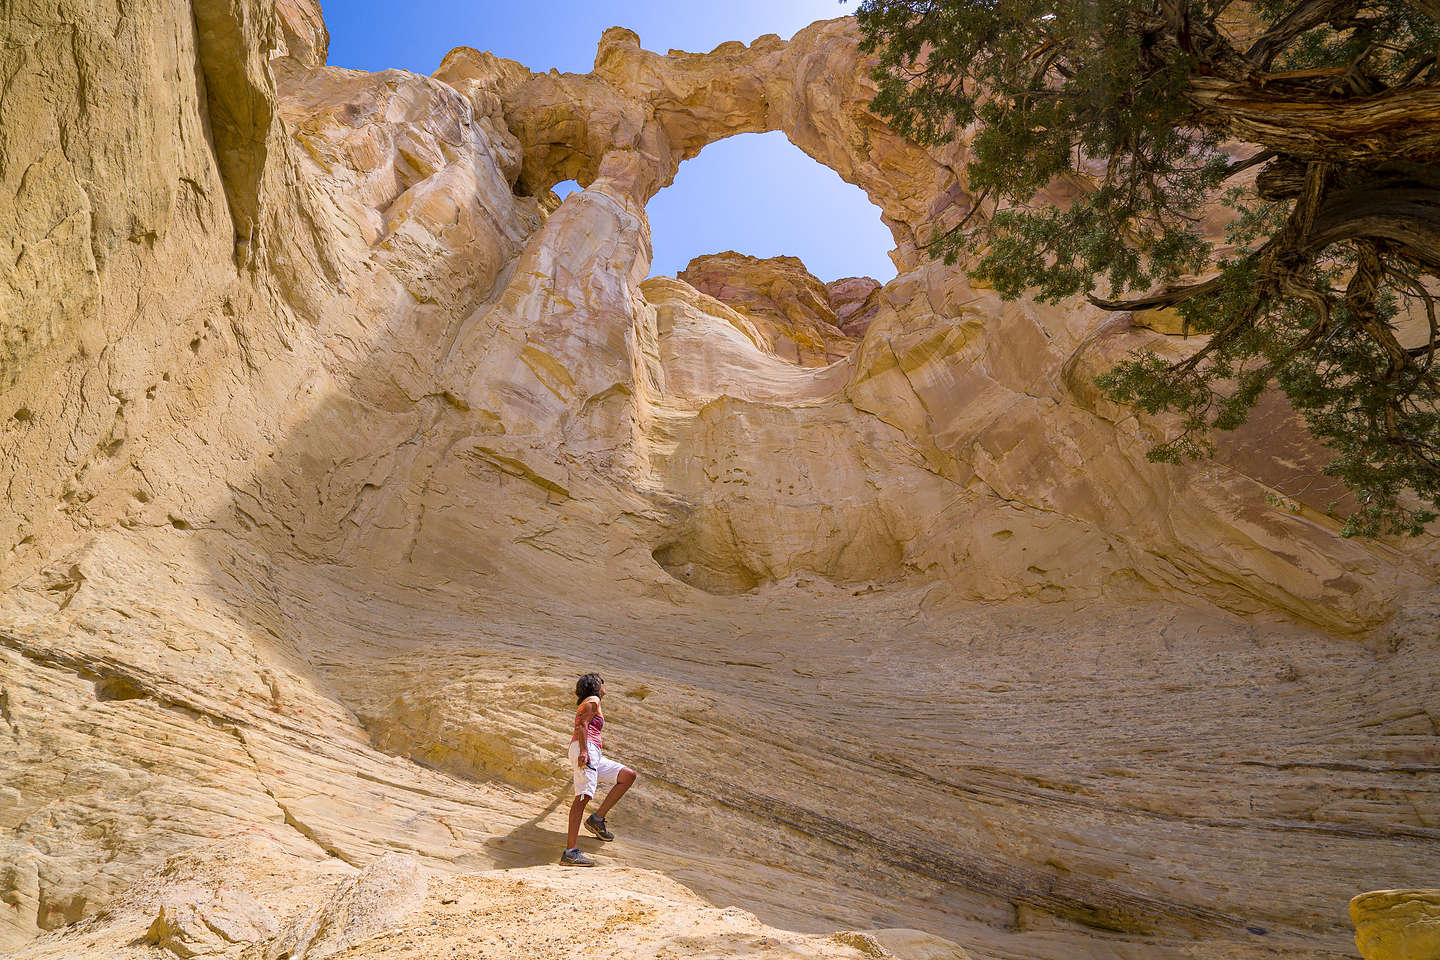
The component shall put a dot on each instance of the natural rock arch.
(639, 115)
(995, 400)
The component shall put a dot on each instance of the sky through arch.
(757, 193)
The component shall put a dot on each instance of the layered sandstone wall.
(333, 443)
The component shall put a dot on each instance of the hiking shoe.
(576, 859)
(596, 825)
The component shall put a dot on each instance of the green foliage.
(1338, 386)
(1102, 93)
(1050, 85)
(1392, 37)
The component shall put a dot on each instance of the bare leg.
(577, 813)
(622, 783)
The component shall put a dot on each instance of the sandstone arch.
(639, 114)
(988, 397)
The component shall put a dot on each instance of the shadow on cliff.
(530, 844)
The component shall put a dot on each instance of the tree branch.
(1262, 157)
(1407, 222)
(1164, 298)
(1307, 16)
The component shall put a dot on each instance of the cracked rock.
(381, 896)
(192, 922)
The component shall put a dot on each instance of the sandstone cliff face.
(331, 444)
(790, 312)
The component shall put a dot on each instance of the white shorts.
(601, 769)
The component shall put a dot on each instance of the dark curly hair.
(588, 686)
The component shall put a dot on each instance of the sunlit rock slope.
(335, 447)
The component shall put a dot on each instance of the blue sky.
(757, 194)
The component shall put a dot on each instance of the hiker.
(590, 767)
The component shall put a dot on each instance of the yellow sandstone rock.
(1397, 924)
(790, 309)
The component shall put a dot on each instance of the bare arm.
(582, 721)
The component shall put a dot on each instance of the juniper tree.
(1338, 230)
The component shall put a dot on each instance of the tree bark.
(1394, 125)
(1405, 221)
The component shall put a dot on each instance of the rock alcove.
(330, 448)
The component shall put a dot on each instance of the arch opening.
(766, 229)
(759, 194)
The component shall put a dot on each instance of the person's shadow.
(531, 844)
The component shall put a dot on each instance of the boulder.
(1397, 924)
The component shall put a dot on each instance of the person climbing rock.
(589, 768)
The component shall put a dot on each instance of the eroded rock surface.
(534, 913)
(196, 922)
(380, 897)
(334, 447)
